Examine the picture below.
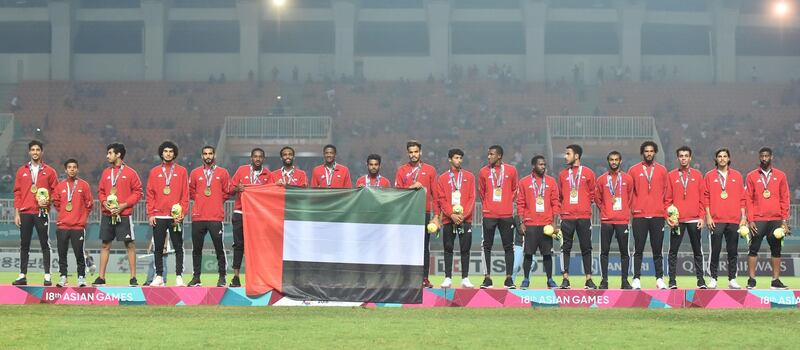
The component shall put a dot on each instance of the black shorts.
(122, 231)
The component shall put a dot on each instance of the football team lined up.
(647, 197)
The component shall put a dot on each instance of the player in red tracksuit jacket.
(417, 174)
(209, 187)
(577, 188)
(73, 201)
(331, 174)
(288, 174)
(167, 185)
(726, 205)
(456, 186)
(649, 209)
(123, 182)
(497, 185)
(767, 209)
(686, 187)
(373, 177)
(613, 199)
(538, 205)
(252, 174)
(30, 213)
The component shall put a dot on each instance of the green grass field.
(39, 326)
(537, 282)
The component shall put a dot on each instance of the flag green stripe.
(365, 205)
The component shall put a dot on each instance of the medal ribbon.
(168, 179)
(453, 185)
(765, 178)
(287, 176)
(114, 179)
(329, 174)
(209, 173)
(575, 183)
(685, 182)
(723, 181)
(498, 183)
(255, 176)
(611, 187)
(538, 191)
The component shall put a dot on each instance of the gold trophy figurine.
(42, 194)
(177, 212)
(113, 203)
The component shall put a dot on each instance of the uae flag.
(363, 245)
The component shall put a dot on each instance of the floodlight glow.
(781, 8)
(279, 3)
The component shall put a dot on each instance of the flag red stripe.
(263, 211)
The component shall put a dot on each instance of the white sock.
(22, 275)
(47, 277)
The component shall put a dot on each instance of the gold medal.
(33, 188)
(498, 192)
(69, 206)
(207, 192)
(167, 190)
(540, 200)
(113, 190)
(724, 195)
(573, 193)
(767, 194)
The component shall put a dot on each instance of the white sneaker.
(712, 283)
(47, 277)
(62, 281)
(179, 281)
(636, 284)
(447, 283)
(733, 285)
(81, 281)
(465, 283)
(158, 281)
(660, 283)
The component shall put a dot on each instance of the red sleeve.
(150, 199)
(706, 193)
(314, 182)
(522, 210)
(784, 200)
(225, 184)
(56, 198)
(470, 207)
(18, 189)
(303, 179)
(630, 190)
(101, 188)
(558, 185)
(743, 202)
(398, 180)
(52, 180)
(192, 185)
(598, 195)
(555, 200)
(591, 181)
(439, 204)
(136, 189)
(701, 201)
(185, 191)
(88, 201)
(348, 183)
(667, 193)
(749, 197)
(481, 185)
(514, 181)
(386, 182)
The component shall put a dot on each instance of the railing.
(278, 127)
(600, 127)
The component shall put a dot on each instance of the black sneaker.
(20, 282)
(673, 284)
(603, 283)
(146, 283)
(625, 284)
(99, 282)
(509, 283)
(487, 283)
(564, 283)
(235, 283)
(777, 284)
(195, 282)
(751, 283)
(589, 284)
(47, 283)
(221, 281)
(701, 283)
(133, 282)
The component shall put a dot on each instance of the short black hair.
(683, 149)
(720, 150)
(498, 149)
(281, 151)
(375, 157)
(70, 161)
(648, 143)
(35, 143)
(167, 144)
(614, 153)
(765, 149)
(209, 147)
(118, 149)
(258, 149)
(576, 149)
(412, 143)
(454, 152)
(536, 159)
(329, 146)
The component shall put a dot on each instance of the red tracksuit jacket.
(691, 204)
(444, 194)
(209, 208)
(297, 179)
(242, 176)
(82, 202)
(129, 188)
(160, 204)
(340, 177)
(486, 187)
(379, 181)
(526, 201)
(727, 211)
(426, 175)
(24, 199)
(776, 207)
(586, 189)
(652, 200)
(623, 188)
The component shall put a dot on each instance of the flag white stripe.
(353, 243)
